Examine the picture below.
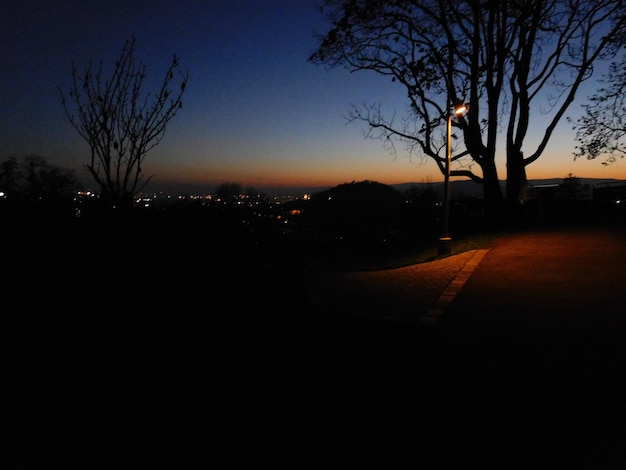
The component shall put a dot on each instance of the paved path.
(567, 280)
(523, 367)
(533, 353)
(446, 298)
(403, 294)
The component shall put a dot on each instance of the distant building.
(613, 194)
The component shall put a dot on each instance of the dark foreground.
(235, 368)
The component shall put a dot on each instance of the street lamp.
(445, 242)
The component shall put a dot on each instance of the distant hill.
(458, 189)
(470, 189)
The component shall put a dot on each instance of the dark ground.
(238, 367)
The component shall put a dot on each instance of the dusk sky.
(255, 111)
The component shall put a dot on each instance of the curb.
(450, 292)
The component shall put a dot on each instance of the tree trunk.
(516, 184)
(492, 194)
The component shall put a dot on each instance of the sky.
(255, 111)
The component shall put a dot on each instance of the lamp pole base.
(444, 246)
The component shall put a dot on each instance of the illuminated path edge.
(450, 292)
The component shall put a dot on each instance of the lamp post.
(444, 246)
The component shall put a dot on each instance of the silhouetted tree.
(47, 182)
(602, 129)
(228, 191)
(510, 60)
(34, 183)
(119, 122)
(572, 188)
(10, 177)
(362, 211)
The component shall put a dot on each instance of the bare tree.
(119, 122)
(602, 130)
(10, 177)
(511, 60)
(34, 184)
(43, 181)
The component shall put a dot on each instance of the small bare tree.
(119, 122)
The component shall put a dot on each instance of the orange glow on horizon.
(315, 173)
